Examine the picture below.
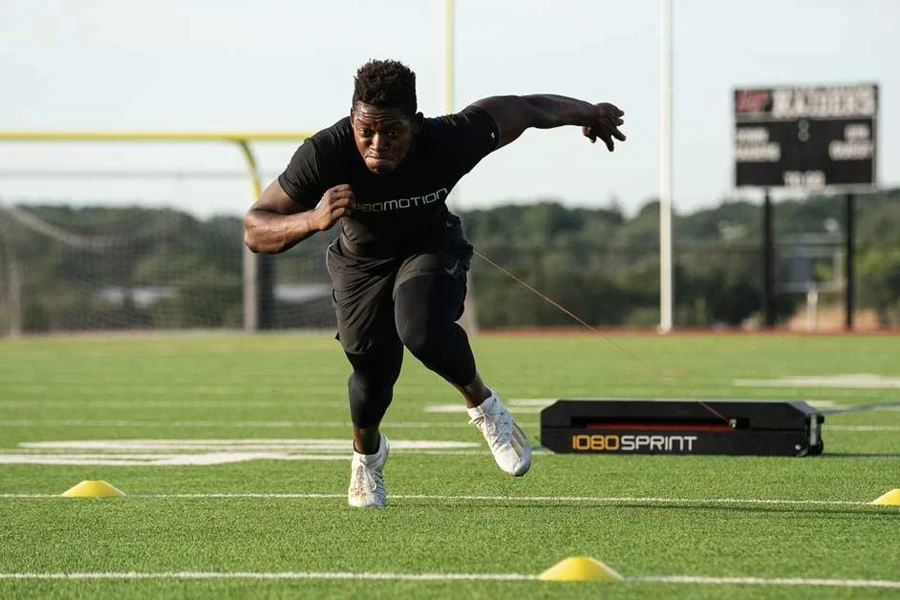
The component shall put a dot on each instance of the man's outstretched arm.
(515, 114)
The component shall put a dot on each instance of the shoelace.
(362, 480)
(488, 426)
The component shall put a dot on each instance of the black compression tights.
(425, 310)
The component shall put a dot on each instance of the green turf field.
(235, 491)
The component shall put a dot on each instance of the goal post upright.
(256, 267)
(666, 291)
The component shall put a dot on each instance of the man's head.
(384, 115)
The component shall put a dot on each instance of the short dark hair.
(386, 84)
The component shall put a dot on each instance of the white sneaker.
(507, 441)
(366, 481)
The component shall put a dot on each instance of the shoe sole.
(373, 505)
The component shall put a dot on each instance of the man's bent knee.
(426, 343)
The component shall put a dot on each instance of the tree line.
(102, 267)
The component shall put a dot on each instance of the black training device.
(634, 426)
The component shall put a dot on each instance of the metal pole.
(665, 167)
(13, 293)
(449, 51)
(15, 299)
(259, 269)
(768, 263)
(848, 260)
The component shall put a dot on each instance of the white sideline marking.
(159, 453)
(689, 579)
(541, 402)
(340, 445)
(876, 583)
(231, 424)
(446, 408)
(852, 381)
(78, 404)
(828, 404)
(879, 583)
(313, 424)
(155, 460)
(283, 575)
(196, 460)
(240, 389)
(477, 498)
(461, 409)
(862, 427)
(515, 405)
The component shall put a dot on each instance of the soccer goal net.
(99, 268)
(142, 240)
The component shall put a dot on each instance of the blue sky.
(269, 64)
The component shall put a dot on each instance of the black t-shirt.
(404, 211)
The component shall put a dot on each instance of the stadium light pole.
(665, 166)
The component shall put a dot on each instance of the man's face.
(383, 135)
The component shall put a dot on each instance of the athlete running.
(399, 266)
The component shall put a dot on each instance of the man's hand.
(276, 222)
(337, 202)
(515, 114)
(608, 120)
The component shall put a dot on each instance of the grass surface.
(293, 388)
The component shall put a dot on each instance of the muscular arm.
(515, 114)
(276, 223)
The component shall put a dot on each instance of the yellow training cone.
(93, 489)
(579, 568)
(891, 498)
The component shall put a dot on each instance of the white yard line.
(282, 575)
(230, 424)
(491, 498)
(316, 424)
(130, 404)
(861, 427)
(876, 583)
(339, 575)
(73, 389)
(203, 459)
(315, 444)
(848, 381)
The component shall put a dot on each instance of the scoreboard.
(805, 137)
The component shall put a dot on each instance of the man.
(399, 265)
